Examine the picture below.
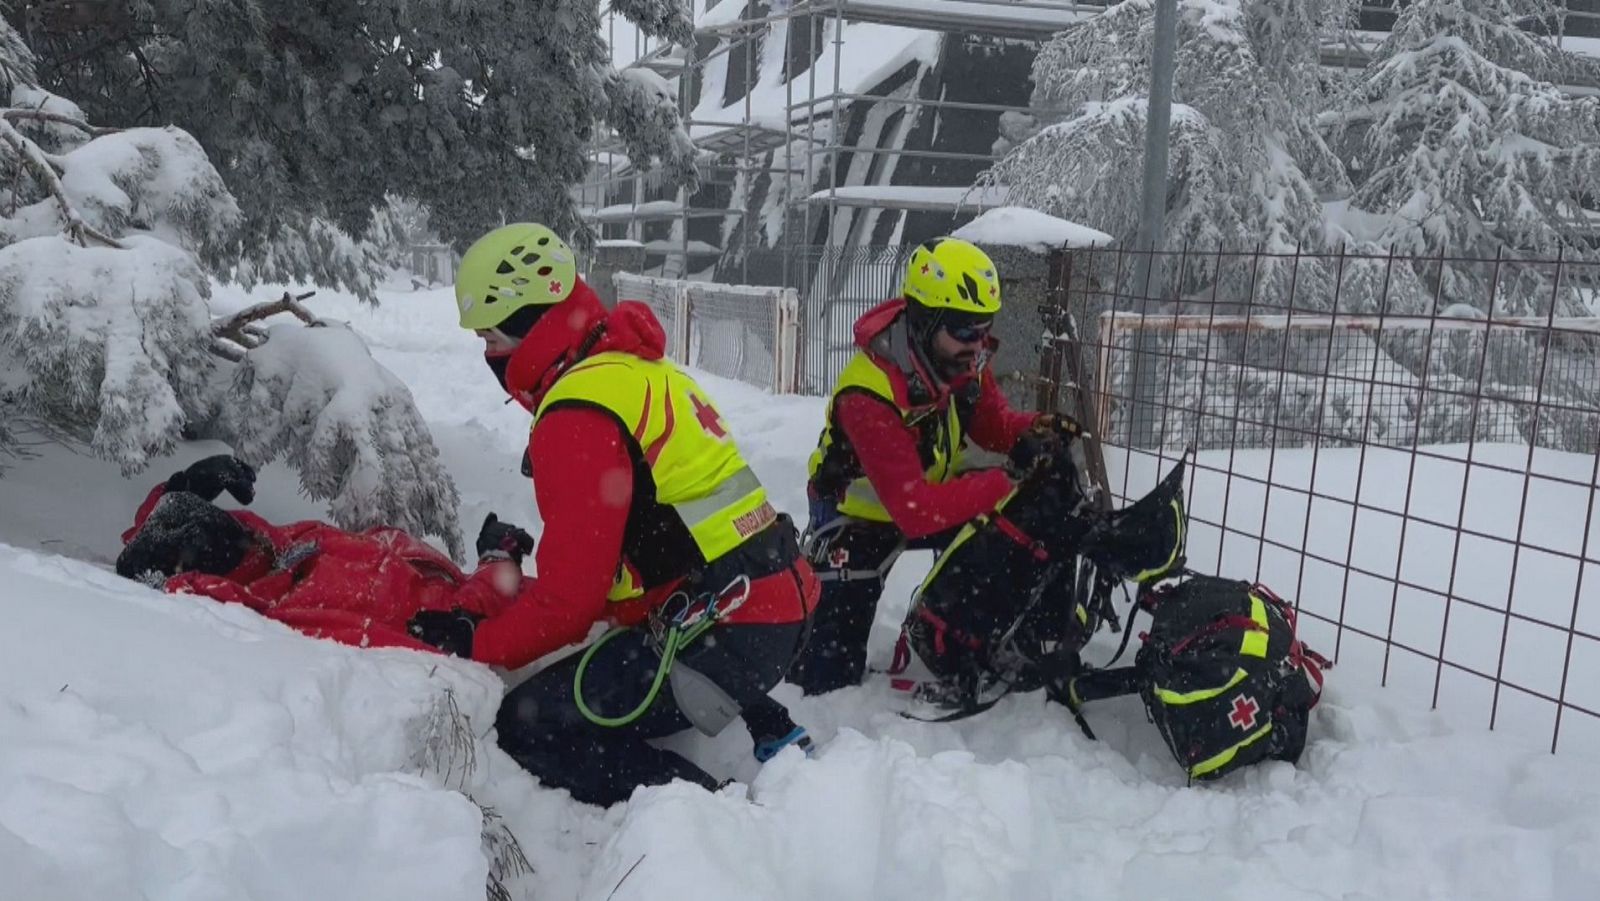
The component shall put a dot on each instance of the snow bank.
(172, 747)
(1022, 227)
(1021, 806)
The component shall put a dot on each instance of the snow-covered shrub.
(110, 343)
(316, 397)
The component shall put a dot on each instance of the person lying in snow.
(359, 588)
(653, 521)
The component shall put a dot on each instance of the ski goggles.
(969, 332)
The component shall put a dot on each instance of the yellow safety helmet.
(521, 265)
(954, 275)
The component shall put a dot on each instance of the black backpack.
(1223, 676)
(1221, 672)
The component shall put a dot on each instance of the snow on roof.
(726, 12)
(624, 212)
(929, 198)
(1022, 227)
(871, 54)
(671, 247)
(1027, 19)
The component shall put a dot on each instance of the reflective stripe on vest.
(697, 469)
(860, 498)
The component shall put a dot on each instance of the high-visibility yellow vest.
(696, 468)
(939, 438)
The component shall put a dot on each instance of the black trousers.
(851, 558)
(541, 727)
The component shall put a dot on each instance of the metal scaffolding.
(813, 101)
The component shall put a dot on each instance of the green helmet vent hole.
(519, 281)
(545, 270)
(490, 298)
(543, 241)
(518, 249)
(530, 259)
(505, 268)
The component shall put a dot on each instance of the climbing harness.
(673, 627)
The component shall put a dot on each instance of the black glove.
(503, 541)
(1063, 427)
(209, 477)
(1038, 447)
(450, 630)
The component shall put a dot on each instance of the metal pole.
(786, 235)
(811, 122)
(686, 105)
(746, 219)
(838, 129)
(1152, 218)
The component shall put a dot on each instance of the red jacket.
(887, 447)
(583, 484)
(357, 588)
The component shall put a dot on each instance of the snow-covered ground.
(166, 747)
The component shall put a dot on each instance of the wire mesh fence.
(748, 333)
(835, 285)
(1408, 446)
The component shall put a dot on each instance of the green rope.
(676, 640)
(668, 652)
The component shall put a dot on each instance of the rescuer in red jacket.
(886, 472)
(653, 523)
(359, 588)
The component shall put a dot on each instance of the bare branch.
(39, 162)
(39, 115)
(226, 351)
(241, 327)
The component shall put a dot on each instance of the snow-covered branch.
(317, 397)
(40, 115)
(43, 169)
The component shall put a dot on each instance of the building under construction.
(829, 127)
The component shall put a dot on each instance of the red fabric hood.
(877, 320)
(554, 341)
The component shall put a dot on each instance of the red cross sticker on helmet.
(1244, 713)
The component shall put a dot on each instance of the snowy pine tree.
(314, 111)
(107, 337)
(1247, 164)
(1466, 147)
